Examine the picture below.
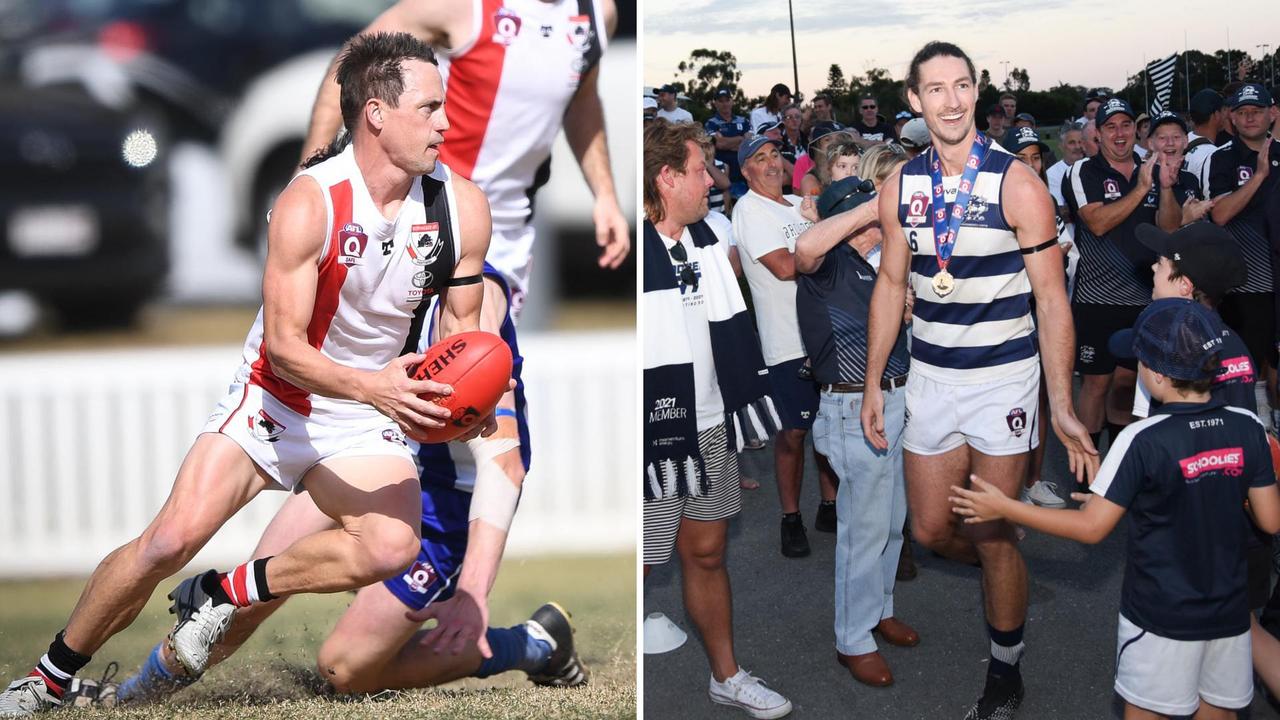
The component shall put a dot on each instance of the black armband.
(468, 280)
(1042, 246)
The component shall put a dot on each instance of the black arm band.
(468, 280)
(1042, 246)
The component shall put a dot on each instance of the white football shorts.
(1171, 676)
(994, 418)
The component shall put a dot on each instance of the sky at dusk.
(1085, 42)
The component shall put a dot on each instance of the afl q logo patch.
(1243, 174)
(916, 208)
(351, 243)
(506, 26)
(1017, 419)
(1110, 189)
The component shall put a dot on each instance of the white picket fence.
(90, 443)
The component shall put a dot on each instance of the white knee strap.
(495, 496)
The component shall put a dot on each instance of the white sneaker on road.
(26, 697)
(748, 692)
(1045, 494)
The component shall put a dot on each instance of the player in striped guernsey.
(516, 72)
(973, 232)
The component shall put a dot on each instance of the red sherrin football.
(478, 366)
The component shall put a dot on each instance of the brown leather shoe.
(896, 632)
(869, 669)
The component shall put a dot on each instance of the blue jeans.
(871, 506)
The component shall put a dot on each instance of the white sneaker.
(26, 697)
(1045, 494)
(201, 624)
(749, 693)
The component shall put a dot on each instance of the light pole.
(1005, 63)
(1266, 47)
(795, 69)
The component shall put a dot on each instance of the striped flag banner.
(1161, 74)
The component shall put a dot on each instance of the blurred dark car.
(81, 228)
(192, 58)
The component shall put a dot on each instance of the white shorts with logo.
(1171, 676)
(287, 445)
(994, 418)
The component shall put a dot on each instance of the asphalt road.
(783, 619)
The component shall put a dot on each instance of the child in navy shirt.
(1181, 475)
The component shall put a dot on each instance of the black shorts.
(1095, 324)
(796, 399)
(1253, 317)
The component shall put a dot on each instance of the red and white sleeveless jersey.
(376, 278)
(506, 91)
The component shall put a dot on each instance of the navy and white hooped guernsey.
(982, 330)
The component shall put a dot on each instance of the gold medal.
(943, 283)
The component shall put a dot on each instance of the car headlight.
(139, 148)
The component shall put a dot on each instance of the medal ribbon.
(947, 219)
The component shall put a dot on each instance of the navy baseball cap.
(1250, 94)
(752, 146)
(823, 129)
(768, 125)
(1175, 337)
(724, 92)
(1026, 117)
(844, 195)
(1206, 102)
(1025, 137)
(1204, 252)
(995, 110)
(667, 89)
(1112, 107)
(1167, 116)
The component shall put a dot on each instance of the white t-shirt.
(678, 115)
(761, 226)
(722, 226)
(1054, 177)
(706, 388)
(1142, 152)
(760, 116)
(1197, 160)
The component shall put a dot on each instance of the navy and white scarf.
(673, 464)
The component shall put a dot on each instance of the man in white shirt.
(1072, 144)
(1207, 121)
(668, 108)
(766, 224)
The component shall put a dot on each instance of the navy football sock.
(514, 649)
(152, 680)
(1006, 650)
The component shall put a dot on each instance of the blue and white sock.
(514, 648)
(1006, 650)
(153, 680)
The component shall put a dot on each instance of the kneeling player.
(469, 496)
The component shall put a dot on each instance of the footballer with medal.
(972, 395)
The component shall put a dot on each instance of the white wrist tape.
(495, 496)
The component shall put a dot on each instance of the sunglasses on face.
(868, 107)
(687, 276)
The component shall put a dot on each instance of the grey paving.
(783, 625)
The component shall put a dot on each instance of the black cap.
(1206, 102)
(1167, 116)
(995, 110)
(844, 195)
(1250, 94)
(1023, 138)
(667, 89)
(724, 92)
(1110, 108)
(1204, 252)
(767, 125)
(1174, 337)
(1027, 117)
(823, 129)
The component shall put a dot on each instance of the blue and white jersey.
(451, 465)
(983, 330)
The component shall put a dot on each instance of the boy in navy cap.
(1182, 475)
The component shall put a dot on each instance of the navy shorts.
(1095, 324)
(444, 542)
(796, 399)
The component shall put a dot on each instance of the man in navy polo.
(833, 302)
(1242, 176)
(1114, 192)
(728, 131)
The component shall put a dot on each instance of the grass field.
(273, 675)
